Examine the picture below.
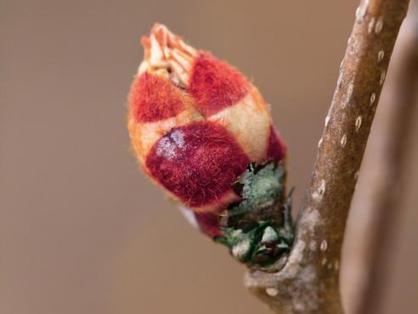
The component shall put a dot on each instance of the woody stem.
(309, 282)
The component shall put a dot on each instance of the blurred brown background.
(81, 229)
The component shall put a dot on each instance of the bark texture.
(309, 280)
(378, 205)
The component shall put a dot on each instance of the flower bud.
(196, 123)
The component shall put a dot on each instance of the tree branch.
(308, 282)
(376, 209)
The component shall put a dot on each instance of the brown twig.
(309, 281)
(376, 206)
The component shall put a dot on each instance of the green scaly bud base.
(259, 229)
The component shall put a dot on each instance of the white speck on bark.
(324, 245)
(273, 292)
(343, 140)
(380, 55)
(372, 98)
(379, 25)
(358, 123)
(371, 25)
